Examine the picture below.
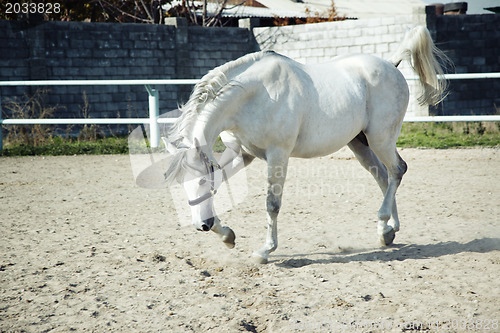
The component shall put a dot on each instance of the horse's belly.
(307, 148)
(322, 134)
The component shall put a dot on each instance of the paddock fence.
(154, 119)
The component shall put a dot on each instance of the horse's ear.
(171, 149)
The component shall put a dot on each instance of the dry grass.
(30, 107)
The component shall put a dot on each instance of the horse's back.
(359, 69)
(317, 108)
(356, 93)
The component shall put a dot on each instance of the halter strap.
(209, 165)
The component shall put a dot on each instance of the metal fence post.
(154, 113)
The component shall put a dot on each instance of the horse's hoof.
(259, 259)
(387, 238)
(229, 238)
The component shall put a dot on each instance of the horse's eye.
(202, 181)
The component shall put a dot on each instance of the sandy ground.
(83, 248)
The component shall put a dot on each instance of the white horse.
(274, 108)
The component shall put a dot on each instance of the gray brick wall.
(473, 44)
(200, 49)
(99, 51)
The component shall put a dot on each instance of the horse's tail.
(419, 49)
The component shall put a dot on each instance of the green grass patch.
(59, 146)
(219, 146)
(413, 135)
(450, 134)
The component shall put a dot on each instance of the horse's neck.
(214, 118)
(208, 127)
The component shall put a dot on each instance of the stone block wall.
(200, 49)
(77, 50)
(109, 51)
(473, 44)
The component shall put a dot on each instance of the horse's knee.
(273, 203)
(398, 170)
(402, 167)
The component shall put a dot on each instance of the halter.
(209, 165)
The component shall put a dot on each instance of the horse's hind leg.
(396, 168)
(371, 162)
(388, 182)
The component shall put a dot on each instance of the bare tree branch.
(204, 13)
(201, 12)
(216, 17)
(122, 11)
(191, 10)
(146, 10)
(240, 4)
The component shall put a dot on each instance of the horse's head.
(195, 170)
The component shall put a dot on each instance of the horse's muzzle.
(207, 224)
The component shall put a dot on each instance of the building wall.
(79, 50)
(107, 51)
(473, 44)
(321, 42)
(471, 41)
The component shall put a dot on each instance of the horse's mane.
(176, 166)
(206, 91)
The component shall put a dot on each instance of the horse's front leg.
(277, 166)
(232, 161)
(225, 233)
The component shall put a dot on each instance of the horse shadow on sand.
(395, 252)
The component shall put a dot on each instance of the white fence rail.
(464, 76)
(154, 112)
(154, 103)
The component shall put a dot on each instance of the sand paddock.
(85, 249)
